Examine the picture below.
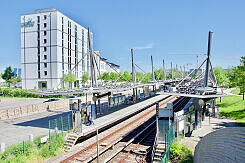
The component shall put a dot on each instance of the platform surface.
(117, 115)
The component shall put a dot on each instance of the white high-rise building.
(51, 45)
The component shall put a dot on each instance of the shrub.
(181, 152)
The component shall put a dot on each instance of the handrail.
(154, 148)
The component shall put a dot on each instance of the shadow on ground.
(42, 122)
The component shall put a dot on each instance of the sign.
(27, 23)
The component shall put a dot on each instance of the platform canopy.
(91, 90)
(199, 83)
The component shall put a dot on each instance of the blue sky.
(172, 30)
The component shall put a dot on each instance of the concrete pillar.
(31, 138)
(2, 147)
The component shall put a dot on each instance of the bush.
(181, 153)
(8, 92)
(33, 151)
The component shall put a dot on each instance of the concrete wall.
(31, 109)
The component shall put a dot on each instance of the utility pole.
(152, 69)
(208, 58)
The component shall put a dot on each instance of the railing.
(154, 148)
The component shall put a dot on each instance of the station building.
(51, 45)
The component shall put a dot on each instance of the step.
(159, 151)
(158, 154)
(160, 147)
(157, 159)
(73, 135)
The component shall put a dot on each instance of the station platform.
(119, 115)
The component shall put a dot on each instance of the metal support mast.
(133, 68)
(177, 75)
(163, 70)
(208, 59)
(152, 69)
(92, 68)
(172, 71)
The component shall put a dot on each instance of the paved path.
(16, 130)
(215, 123)
(228, 92)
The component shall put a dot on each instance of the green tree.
(139, 76)
(113, 76)
(147, 77)
(238, 78)
(84, 77)
(127, 76)
(221, 76)
(8, 74)
(158, 74)
(105, 76)
(69, 78)
(14, 80)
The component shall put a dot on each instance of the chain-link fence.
(169, 139)
(60, 124)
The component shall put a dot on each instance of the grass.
(180, 153)
(236, 91)
(34, 152)
(233, 107)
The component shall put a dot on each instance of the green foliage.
(8, 73)
(158, 74)
(181, 152)
(106, 76)
(221, 76)
(8, 92)
(238, 78)
(69, 78)
(236, 91)
(85, 77)
(233, 107)
(14, 153)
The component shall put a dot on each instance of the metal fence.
(169, 139)
(60, 124)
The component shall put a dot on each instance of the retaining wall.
(31, 109)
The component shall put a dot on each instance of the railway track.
(138, 150)
(113, 141)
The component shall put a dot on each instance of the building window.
(45, 17)
(39, 75)
(45, 49)
(44, 33)
(38, 19)
(45, 65)
(45, 25)
(45, 56)
(44, 41)
(45, 73)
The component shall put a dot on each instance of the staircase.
(159, 151)
(71, 139)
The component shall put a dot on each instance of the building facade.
(51, 45)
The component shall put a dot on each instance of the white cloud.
(147, 46)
